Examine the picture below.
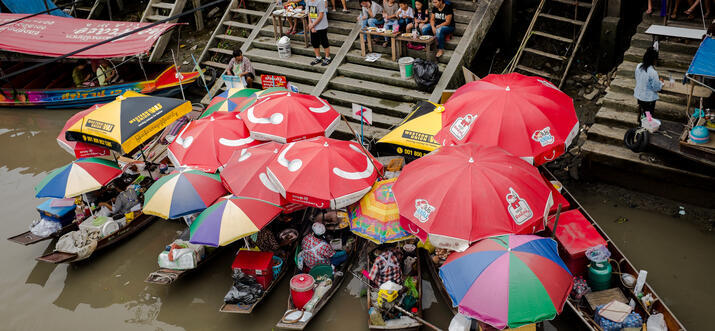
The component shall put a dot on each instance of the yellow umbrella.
(128, 121)
(414, 137)
(376, 217)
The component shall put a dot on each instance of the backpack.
(426, 74)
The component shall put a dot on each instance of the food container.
(256, 264)
(301, 289)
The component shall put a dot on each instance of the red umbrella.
(245, 173)
(460, 194)
(208, 143)
(286, 116)
(527, 116)
(80, 149)
(323, 172)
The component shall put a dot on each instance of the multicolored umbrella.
(207, 144)
(376, 216)
(231, 219)
(285, 116)
(245, 173)
(80, 149)
(229, 100)
(527, 116)
(457, 195)
(125, 123)
(323, 172)
(80, 176)
(414, 136)
(508, 281)
(182, 193)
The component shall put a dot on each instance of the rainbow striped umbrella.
(376, 217)
(508, 281)
(229, 100)
(80, 176)
(182, 193)
(231, 219)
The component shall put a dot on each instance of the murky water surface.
(108, 291)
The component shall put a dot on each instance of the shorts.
(319, 38)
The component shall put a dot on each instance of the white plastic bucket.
(406, 67)
(283, 45)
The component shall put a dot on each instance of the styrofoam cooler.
(283, 45)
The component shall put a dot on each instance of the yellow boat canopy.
(128, 121)
(414, 136)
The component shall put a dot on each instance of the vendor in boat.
(241, 66)
(105, 74)
(81, 76)
(267, 241)
(386, 267)
(124, 202)
(315, 249)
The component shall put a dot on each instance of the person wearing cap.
(315, 249)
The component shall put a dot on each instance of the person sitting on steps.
(441, 23)
(241, 66)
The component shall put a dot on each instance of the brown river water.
(108, 290)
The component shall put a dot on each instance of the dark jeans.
(442, 33)
(644, 106)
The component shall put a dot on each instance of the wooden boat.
(247, 309)
(337, 282)
(164, 276)
(581, 309)
(51, 86)
(28, 238)
(413, 327)
(134, 226)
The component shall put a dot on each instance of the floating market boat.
(139, 223)
(582, 309)
(51, 85)
(61, 215)
(166, 276)
(300, 322)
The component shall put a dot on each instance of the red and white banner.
(48, 35)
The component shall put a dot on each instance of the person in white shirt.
(405, 14)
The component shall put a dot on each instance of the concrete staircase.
(349, 79)
(605, 151)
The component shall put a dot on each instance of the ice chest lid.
(55, 211)
(575, 233)
(302, 282)
(253, 260)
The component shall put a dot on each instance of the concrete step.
(268, 43)
(657, 20)
(387, 52)
(381, 106)
(336, 40)
(613, 117)
(626, 102)
(300, 76)
(627, 85)
(374, 89)
(295, 61)
(643, 40)
(676, 60)
(379, 121)
(239, 25)
(341, 27)
(367, 72)
(628, 69)
(385, 62)
(612, 135)
(466, 5)
(231, 38)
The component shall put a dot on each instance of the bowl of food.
(407, 35)
(425, 37)
(278, 12)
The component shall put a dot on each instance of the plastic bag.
(656, 322)
(460, 323)
(633, 320)
(598, 254)
(245, 290)
(649, 123)
(580, 288)
(426, 74)
(44, 227)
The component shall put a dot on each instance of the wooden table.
(278, 24)
(369, 34)
(428, 43)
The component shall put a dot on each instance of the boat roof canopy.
(703, 63)
(51, 36)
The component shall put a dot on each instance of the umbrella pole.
(178, 75)
(556, 221)
(361, 146)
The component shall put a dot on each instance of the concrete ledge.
(613, 117)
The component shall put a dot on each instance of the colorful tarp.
(182, 193)
(703, 63)
(48, 35)
(230, 100)
(508, 281)
(125, 123)
(80, 176)
(376, 217)
(231, 219)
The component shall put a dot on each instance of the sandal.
(346, 11)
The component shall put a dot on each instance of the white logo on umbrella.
(356, 175)
(292, 165)
(235, 142)
(245, 154)
(275, 118)
(266, 182)
(185, 142)
(320, 110)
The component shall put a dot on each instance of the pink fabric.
(488, 298)
(48, 35)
